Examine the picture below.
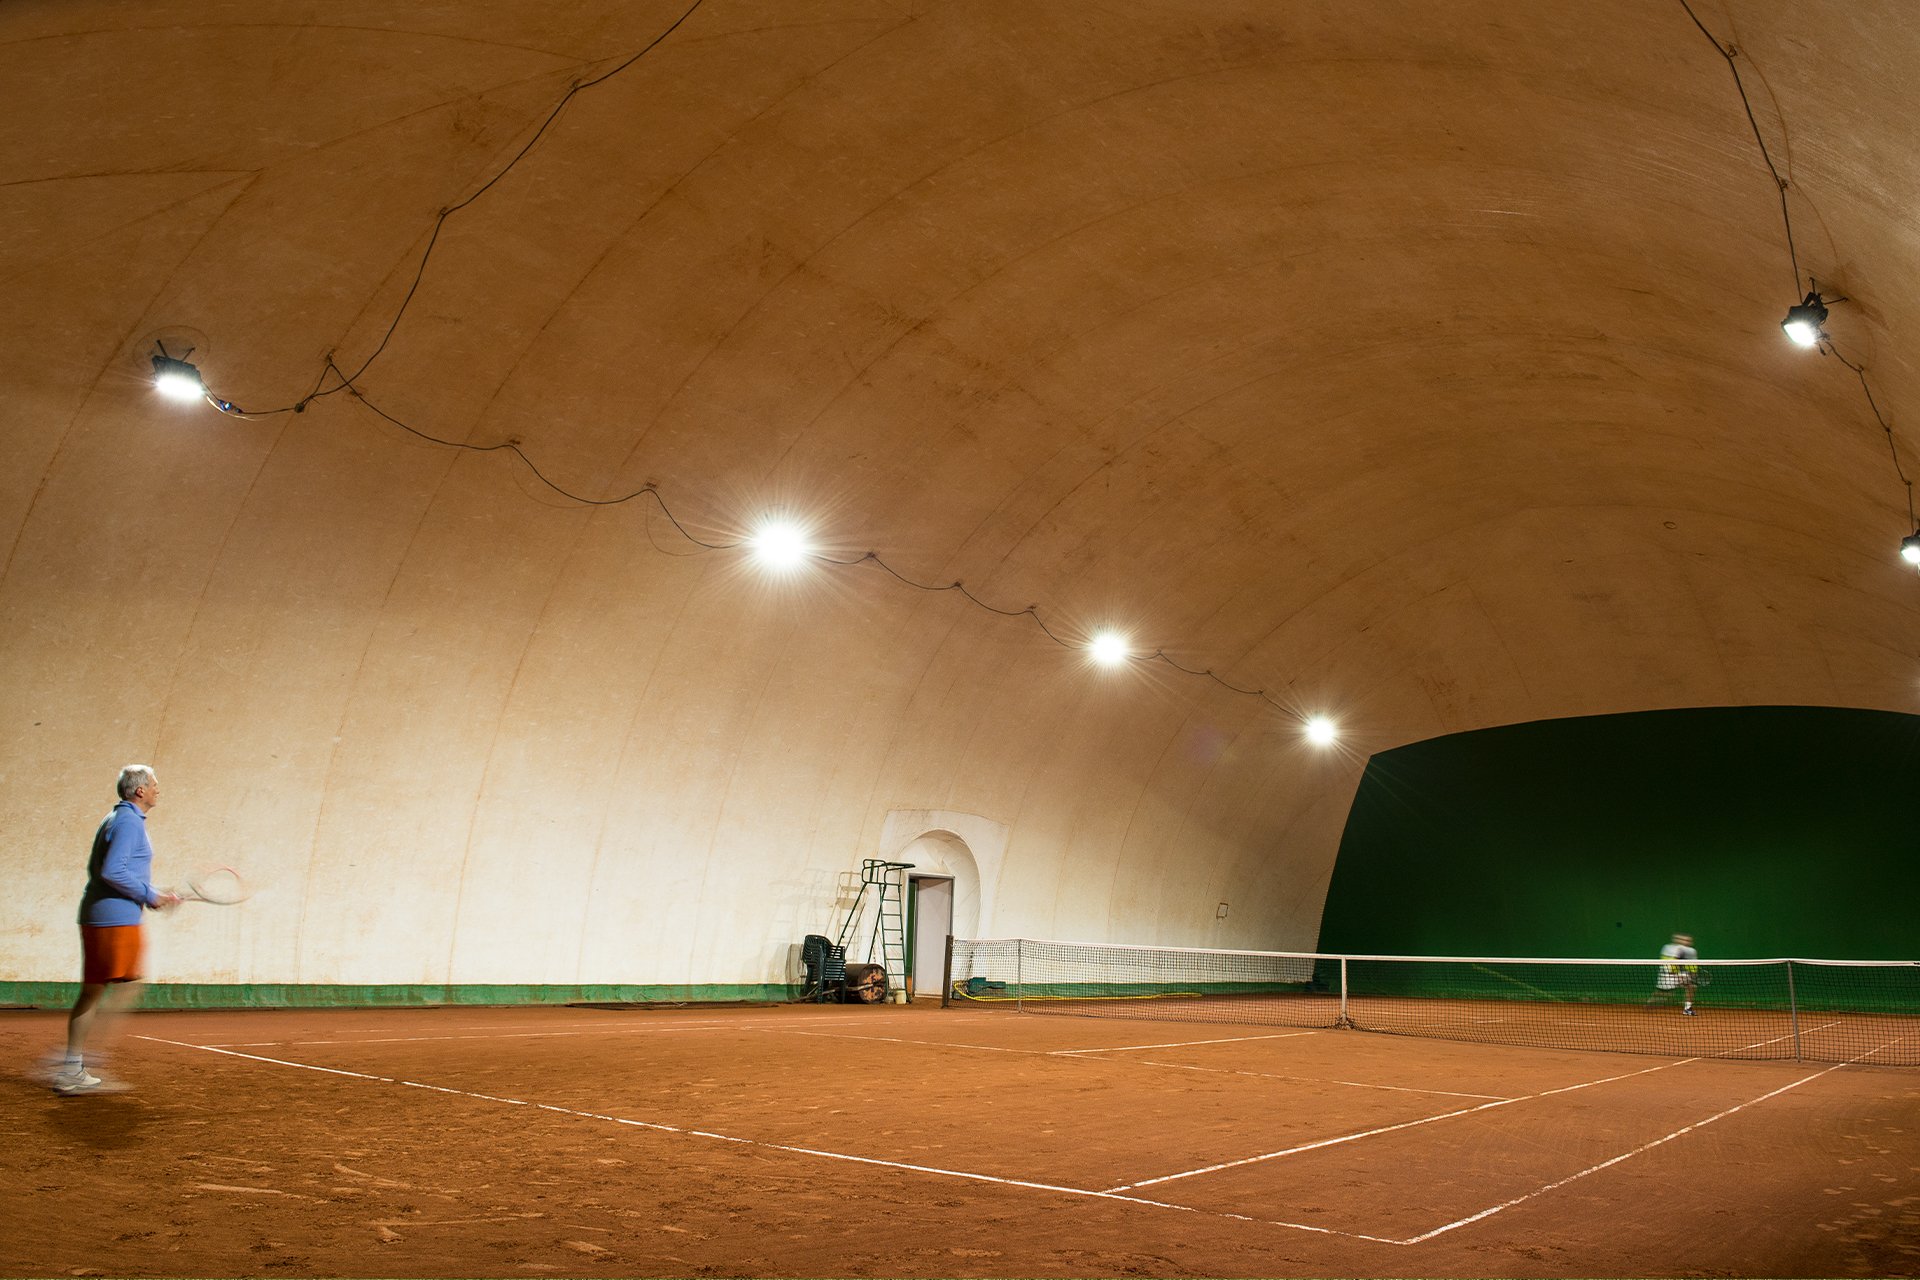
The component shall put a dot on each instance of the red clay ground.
(888, 1141)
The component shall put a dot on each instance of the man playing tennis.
(1676, 975)
(117, 892)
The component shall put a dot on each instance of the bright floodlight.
(1108, 649)
(1320, 731)
(177, 380)
(1910, 547)
(1803, 322)
(780, 544)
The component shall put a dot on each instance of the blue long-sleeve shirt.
(117, 871)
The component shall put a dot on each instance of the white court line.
(701, 1133)
(492, 1026)
(1391, 1128)
(1080, 1053)
(505, 1035)
(1698, 1124)
(1883, 1048)
(608, 1030)
(1045, 1053)
(1044, 1186)
(1357, 1084)
(1116, 1048)
(1467, 1111)
(1807, 1031)
(938, 1044)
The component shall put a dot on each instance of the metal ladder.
(889, 936)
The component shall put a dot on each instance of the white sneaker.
(84, 1081)
(73, 1080)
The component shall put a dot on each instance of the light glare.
(780, 544)
(1803, 332)
(179, 386)
(1320, 731)
(1910, 549)
(1108, 649)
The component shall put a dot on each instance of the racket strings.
(222, 887)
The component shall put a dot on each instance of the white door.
(932, 922)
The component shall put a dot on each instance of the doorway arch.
(966, 846)
(944, 854)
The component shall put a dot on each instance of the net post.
(1019, 983)
(946, 976)
(1793, 1012)
(1344, 1020)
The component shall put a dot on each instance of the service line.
(1044, 1053)
(938, 1044)
(1356, 1084)
(1082, 1055)
(1116, 1048)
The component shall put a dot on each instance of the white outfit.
(1673, 976)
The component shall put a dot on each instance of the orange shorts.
(109, 953)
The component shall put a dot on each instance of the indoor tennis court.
(1362, 557)
(823, 1140)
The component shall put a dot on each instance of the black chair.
(826, 968)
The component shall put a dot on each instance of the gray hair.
(134, 777)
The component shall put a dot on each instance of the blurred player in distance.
(118, 891)
(1677, 974)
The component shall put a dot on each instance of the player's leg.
(120, 997)
(109, 985)
(80, 1020)
(1662, 984)
(72, 1073)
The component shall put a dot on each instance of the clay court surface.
(915, 1141)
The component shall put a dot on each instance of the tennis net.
(1865, 1011)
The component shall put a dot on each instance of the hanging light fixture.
(176, 379)
(1109, 649)
(1803, 321)
(780, 544)
(1910, 547)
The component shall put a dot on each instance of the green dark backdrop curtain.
(1763, 831)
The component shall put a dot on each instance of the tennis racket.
(221, 886)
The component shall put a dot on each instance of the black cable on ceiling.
(505, 169)
(645, 491)
(1731, 53)
(346, 380)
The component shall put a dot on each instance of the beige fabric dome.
(1419, 366)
